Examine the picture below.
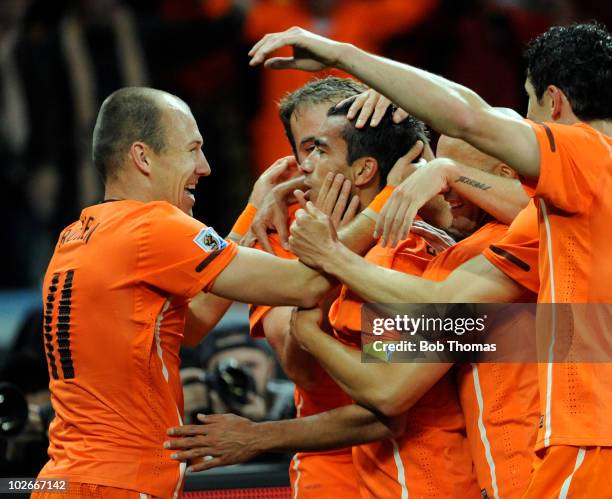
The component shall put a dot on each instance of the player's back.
(114, 319)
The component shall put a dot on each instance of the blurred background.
(59, 60)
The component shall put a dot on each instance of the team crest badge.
(209, 240)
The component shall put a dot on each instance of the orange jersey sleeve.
(572, 162)
(516, 254)
(442, 265)
(193, 259)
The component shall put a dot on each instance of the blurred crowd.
(60, 59)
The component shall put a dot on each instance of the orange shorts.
(92, 491)
(569, 472)
(314, 476)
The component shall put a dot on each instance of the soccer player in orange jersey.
(325, 473)
(117, 300)
(565, 146)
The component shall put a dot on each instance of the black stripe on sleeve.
(551, 137)
(207, 261)
(510, 257)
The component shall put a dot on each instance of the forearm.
(445, 106)
(299, 366)
(342, 427)
(205, 311)
(357, 235)
(377, 284)
(501, 197)
(361, 381)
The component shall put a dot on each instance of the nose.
(203, 168)
(306, 166)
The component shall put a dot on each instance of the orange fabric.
(244, 221)
(516, 254)
(434, 443)
(574, 265)
(507, 422)
(411, 255)
(91, 491)
(579, 472)
(447, 261)
(381, 198)
(116, 294)
(319, 473)
(350, 21)
(315, 476)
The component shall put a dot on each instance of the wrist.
(243, 222)
(262, 438)
(334, 258)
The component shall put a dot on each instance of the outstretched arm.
(229, 439)
(447, 107)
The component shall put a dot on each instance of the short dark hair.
(331, 89)
(128, 115)
(386, 142)
(578, 60)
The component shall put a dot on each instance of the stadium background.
(60, 59)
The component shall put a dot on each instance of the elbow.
(464, 118)
(389, 401)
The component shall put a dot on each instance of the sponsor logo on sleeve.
(209, 240)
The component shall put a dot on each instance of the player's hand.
(221, 439)
(371, 104)
(313, 236)
(405, 166)
(408, 198)
(333, 200)
(272, 214)
(310, 52)
(282, 170)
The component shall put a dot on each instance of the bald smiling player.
(117, 298)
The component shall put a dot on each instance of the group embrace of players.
(509, 210)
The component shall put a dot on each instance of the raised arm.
(447, 107)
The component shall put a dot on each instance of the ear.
(364, 171)
(556, 101)
(503, 170)
(139, 153)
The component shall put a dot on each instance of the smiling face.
(329, 154)
(175, 171)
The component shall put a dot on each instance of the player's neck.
(116, 190)
(367, 194)
(602, 126)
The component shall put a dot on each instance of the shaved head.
(132, 114)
